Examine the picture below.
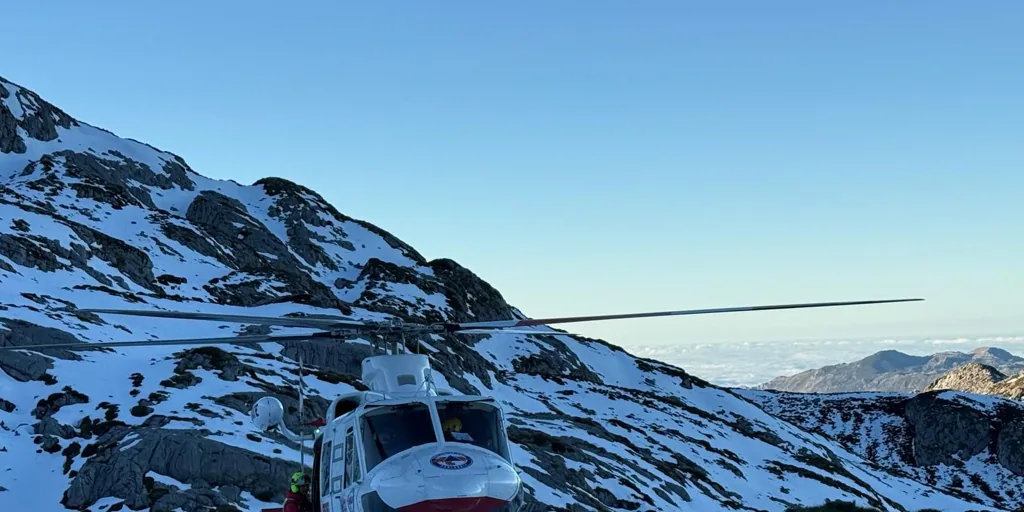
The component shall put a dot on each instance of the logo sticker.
(451, 460)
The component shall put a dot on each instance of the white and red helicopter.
(404, 445)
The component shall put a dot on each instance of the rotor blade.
(200, 341)
(546, 321)
(312, 323)
(515, 331)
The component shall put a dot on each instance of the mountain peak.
(970, 377)
(891, 360)
(36, 118)
(996, 353)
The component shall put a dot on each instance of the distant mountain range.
(894, 371)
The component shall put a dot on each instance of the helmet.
(452, 425)
(299, 480)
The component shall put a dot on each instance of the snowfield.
(91, 220)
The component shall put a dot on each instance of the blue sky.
(594, 157)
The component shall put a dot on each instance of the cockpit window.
(389, 430)
(474, 423)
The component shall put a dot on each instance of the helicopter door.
(337, 474)
(353, 472)
(325, 476)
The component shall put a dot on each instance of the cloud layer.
(752, 363)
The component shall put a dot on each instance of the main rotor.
(390, 329)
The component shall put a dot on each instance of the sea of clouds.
(753, 363)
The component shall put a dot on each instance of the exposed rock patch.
(185, 456)
(971, 377)
(28, 366)
(278, 187)
(945, 432)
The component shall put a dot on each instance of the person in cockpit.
(452, 428)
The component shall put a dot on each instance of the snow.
(986, 403)
(867, 420)
(168, 481)
(629, 422)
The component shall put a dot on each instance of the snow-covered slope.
(88, 219)
(966, 444)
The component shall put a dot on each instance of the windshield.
(474, 423)
(390, 430)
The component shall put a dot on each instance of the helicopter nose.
(444, 480)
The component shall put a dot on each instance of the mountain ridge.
(891, 371)
(88, 218)
(982, 380)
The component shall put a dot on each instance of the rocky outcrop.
(248, 242)
(182, 455)
(945, 432)
(295, 202)
(971, 377)
(892, 371)
(978, 440)
(38, 118)
(981, 379)
(10, 141)
(26, 366)
(116, 178)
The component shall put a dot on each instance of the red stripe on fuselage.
(456, 505)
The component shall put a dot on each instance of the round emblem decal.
(451, 460)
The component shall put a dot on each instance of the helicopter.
(404, 444)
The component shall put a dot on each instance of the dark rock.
(111, 180)
(943, 429)
(1008, 439)
(188, 237)
(183, 455)
(213, 359)
(131, 261)
(42, 118)
(471, 299)
(21, 225)
(227, 221)
(26, 252)
(26, 366)
(49, 427)
(53, 403)
(286, 193)
(10, 141)
(170, 280)
(557, 365)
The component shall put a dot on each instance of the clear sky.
(597, 157)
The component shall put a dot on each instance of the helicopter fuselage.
(394, 454)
